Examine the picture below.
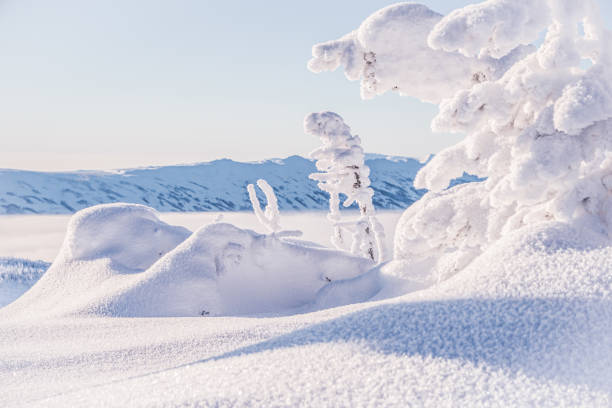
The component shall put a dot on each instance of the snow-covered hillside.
(215, 186)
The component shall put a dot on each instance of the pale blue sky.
(117, 83)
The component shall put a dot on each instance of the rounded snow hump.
(122, 260)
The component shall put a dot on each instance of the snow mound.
(121, 260)
(224, 270)
(439, 235)
(552, 260)
(528, 323)
(131, 236)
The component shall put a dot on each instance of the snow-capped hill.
(219, 185)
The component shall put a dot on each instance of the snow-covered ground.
(527, 324)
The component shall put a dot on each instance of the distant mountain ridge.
(219, 185)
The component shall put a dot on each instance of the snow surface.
(529, 323)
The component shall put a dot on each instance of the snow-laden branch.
(389, 52)
(340, 161)
(492, 28)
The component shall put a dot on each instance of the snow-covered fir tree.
(537, 117)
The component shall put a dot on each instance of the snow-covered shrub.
(342, 171)
(537, 119)
(270, 218)
(17, 276)
(21, 270)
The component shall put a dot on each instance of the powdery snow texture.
(528, 330)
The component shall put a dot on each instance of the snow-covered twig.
(270, 218)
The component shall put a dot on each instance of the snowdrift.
(121, 260)
(528, 323)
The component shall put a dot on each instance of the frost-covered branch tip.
(270, 218)
(340, 161)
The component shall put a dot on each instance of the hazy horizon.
(82, 162)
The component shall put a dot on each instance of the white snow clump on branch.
(343, 171)
(538, 120)
(389, 52)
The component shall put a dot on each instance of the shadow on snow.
(566, 340)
